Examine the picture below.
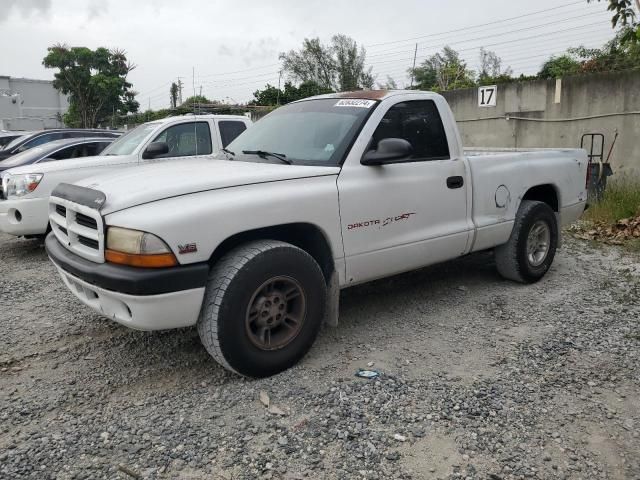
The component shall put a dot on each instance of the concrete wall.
(551, 113)
(27, 104)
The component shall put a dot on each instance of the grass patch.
(621, 200)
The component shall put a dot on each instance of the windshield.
(23, 158)
(14, 142)
(126, 144)
(313, 132)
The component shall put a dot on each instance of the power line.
(491, 44)
(554, 39)
(413, 39)
(495, 35)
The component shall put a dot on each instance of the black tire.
(235, 285)
(513, 259)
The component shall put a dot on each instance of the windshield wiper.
(263, 153)
(226, 150)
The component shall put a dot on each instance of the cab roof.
(365, 94)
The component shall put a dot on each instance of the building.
(27, 104)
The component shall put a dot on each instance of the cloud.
(97, 8)
(25, 7)
(225, 51)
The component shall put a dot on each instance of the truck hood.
(72, 164)
(147, 183)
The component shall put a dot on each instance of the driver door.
(411, 213)
(185, 140)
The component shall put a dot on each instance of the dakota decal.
(380, 222)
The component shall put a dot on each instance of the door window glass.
(419, 123)
(229, 130)
(187, 139)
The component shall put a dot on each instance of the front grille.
(60, 210)
(77, 227)
(86, 221)
(89, 242)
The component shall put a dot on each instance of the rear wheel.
(263, 308)
(531, 248)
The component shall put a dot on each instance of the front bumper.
(140, 298)
(25, 216)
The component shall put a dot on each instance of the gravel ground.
(480, 378)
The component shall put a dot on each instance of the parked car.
(57, 150)
(30, 140)
(25, 190)
(321, 194)
(7, 136)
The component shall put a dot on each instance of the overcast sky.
(233, 45)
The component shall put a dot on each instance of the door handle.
(455, 182)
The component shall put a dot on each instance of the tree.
(198, 99)
(313, 63)
(561, 66)
(491, 68)
(270, 95)
(173, 94)
(350, 69)
(390, 84)
(625, 16)
(443, 71)
(95, 80)
(338, 66)
(617, 54)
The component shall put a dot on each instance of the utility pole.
(413, 70)
(278, 96)
(193, 84)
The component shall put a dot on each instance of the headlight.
(20, 185)
(137, 249)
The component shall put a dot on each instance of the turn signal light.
(157, 260)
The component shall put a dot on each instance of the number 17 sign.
(487, 96)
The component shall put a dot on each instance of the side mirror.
(389, 150)
(155, 149)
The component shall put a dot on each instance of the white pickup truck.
(24, 196)
(319, 195)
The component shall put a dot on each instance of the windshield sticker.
(355, 102)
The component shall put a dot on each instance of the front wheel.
(531, 248)
(263, 308)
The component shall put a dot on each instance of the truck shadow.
(361, 306)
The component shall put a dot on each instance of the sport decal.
(380, 223)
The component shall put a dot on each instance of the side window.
(419, 123)
(229, 130)
(187, 139)
(96, 147)
(75, 151)
(42, 139)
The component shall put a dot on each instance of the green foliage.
(561, 66)
(150, 115)
(625, 16)
(443, 71)
(198, 99)
(491, 71)
(339, 66)
(621, 200)
(96, 82)
(617, 54)
(270, 95)
(173, 94)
